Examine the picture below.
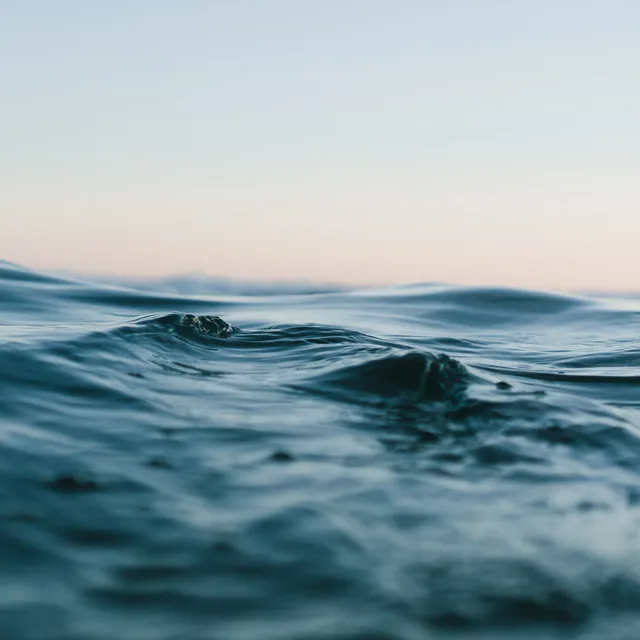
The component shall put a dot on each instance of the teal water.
(180, 460)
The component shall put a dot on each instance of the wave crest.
(412, 375)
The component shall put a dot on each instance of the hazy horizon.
(358, 143)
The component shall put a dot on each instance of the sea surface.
(189, 460)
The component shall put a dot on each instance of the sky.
(492, 142)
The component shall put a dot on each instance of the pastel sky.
(492, 142)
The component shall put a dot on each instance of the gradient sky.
(359, 141)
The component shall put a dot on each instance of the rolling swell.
(412, 462)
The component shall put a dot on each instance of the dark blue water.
(392, 464)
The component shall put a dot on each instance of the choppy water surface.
(391, 464)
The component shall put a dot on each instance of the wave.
(410, 375)
(404, 462)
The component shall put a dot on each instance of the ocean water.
(185, 461)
